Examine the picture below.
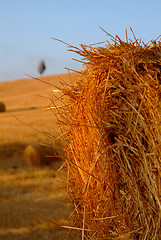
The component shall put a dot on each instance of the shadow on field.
(24, 189)
(12, 155)
(22, 109)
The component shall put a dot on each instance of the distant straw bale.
(111, 120)
(2, 107)
(32, 155)
(36, 154)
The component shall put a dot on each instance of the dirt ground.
(32, 200)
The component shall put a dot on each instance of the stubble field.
(28, 192)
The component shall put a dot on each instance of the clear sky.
(26, 28)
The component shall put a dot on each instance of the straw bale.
(2, 107)
(37, 155)
(111, 120)
(32, 156)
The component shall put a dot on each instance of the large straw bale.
(111, 120)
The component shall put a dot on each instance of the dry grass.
(26, 100)
(23, 188)
(111, 120)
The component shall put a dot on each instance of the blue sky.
(26, 28)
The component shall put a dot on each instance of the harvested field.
(24, 188)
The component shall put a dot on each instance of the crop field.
(29, 196)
